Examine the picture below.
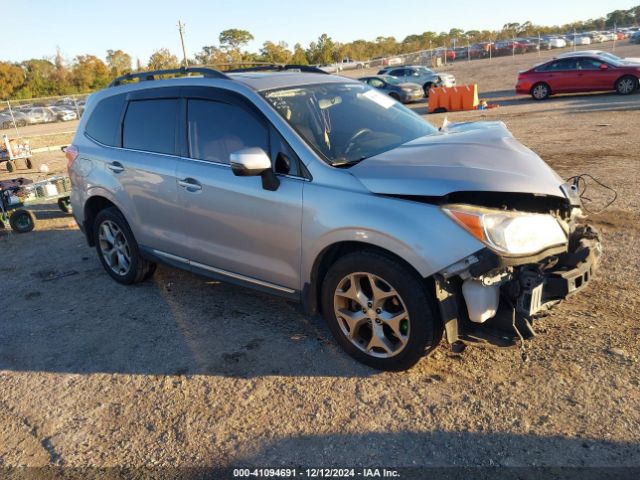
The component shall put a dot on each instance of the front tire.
(626, 85)
(117, 248)
(426, 87)
(379, 311)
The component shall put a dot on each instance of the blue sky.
(33, 28)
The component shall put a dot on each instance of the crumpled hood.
(479, 156)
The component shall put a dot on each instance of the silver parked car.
(325, 191)
(7, 119)
(401, 91)
(421, 75)
(40, 115)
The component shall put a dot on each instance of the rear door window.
(150, 125)
(218, 129)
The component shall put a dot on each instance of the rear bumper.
(523, 88)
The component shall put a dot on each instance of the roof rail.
(278, 67)
(151, 74)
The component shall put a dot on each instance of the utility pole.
(184, 50)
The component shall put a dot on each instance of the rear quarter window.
(104, 123)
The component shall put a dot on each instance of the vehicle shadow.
(570, 103)
(62, 313)
(458, 454)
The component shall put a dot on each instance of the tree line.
(87, 73)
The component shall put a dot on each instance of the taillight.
(71, 152)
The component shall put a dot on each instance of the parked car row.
(511, 46)
(584, 71)
(28, 114)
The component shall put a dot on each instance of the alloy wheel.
(114, 247)
(626, 86)
(372, 314)
(540, 92)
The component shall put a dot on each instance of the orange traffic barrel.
(453, 99)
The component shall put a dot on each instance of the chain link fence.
(15, 115)
(467, 50)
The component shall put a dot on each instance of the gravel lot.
(184, 371)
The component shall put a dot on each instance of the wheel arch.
(311, 293)
(92, 207)
(625, 75)
(538, 83)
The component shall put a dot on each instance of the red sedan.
(578, 74)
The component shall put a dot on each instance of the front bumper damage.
(491, 299)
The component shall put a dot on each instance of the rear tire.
(626, 85)
(28, 163)
(540, 91)
(399, 310)
(117, 248)
(22, 221)
(10, 166)
(395, 96)
(426, 87)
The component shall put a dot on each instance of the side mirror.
(251, 162)
(604, 66)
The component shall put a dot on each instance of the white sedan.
(557, 43)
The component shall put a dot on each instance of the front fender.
(421, 234)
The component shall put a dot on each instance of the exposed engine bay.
(495, 297)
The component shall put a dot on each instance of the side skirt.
(219, 274)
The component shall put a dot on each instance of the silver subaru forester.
(325, 191)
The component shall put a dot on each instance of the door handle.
(115, 167)
(191, 184)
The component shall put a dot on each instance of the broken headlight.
(509, 233)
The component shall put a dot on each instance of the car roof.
(261, 81)
(580, 53)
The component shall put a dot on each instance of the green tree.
(234, 39)
(322, 51)
(89, 73)
(39, 79)
(211, 55)
(299, 56)
(619, 18)
(11, 77)
(275, 53)
(118, 62)
(163, 59)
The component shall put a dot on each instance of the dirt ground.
(183, 371)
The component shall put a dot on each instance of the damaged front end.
(540, 250)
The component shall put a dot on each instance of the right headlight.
(509, 233)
